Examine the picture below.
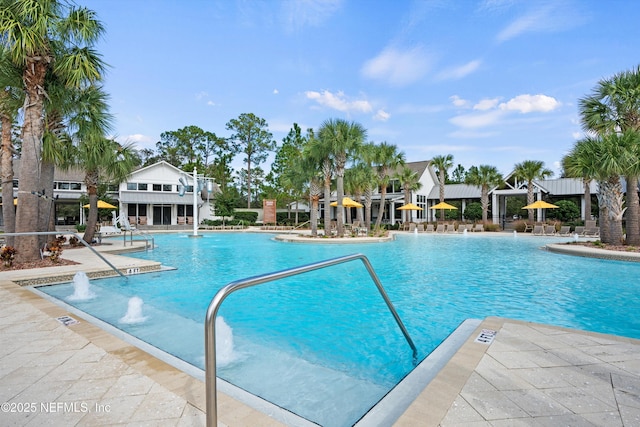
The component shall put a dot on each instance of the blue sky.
(491, 82)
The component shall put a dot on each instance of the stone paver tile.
(108, 367)
(630, 415)
(460, 413)
(536, 403)
(563, 420)
(130, 385)
(500, 377)
(110, 411)
(477, 383)
(9, 391)
(88, 353)
(627, 384)
(26, 375)
(50, 358)
(614, 353)
(578, 400)
(69, 371)
(43, 391)
(517, 422)
(60, 413)
(192, 417)
(493, 405)
(544, 377)
(158, 406)
(575, 356)
(514, 359)
(88, 389)
(604, 419)
(632, 367)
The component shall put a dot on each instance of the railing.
(298, 226)
(80, 239)
(223, 293)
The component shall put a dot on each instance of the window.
(132, 186)
(142, 187)
(167, 187)
(157, 187)
(75, 186)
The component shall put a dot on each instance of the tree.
(252, 138)
(614, 107)
(387, 158)
(566, 211)
(410, 181)
(343, 139)
(458, 175)
(11, 98)
(42, 36)
(319, 156)
(223, 205)
(442, 164)
(530, 170)
(484, 176)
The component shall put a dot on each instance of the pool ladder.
(223, 293)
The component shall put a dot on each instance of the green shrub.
(81, 227)
(248, 217)
(473, 211)
(566, 211)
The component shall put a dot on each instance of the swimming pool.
(323, 344)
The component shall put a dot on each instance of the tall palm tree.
(614, 107)
(11, 98)
(343, 139)
(442, 164)
(356, 181)
(484, 176)
(410, 181)
(576, 166)
(530, 170)
(320, 155)
(40, 36)
(387, 159)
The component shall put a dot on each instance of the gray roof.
(455, 191)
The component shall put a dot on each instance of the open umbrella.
(409, 207)
(540, 204)
(103, 205)
(443, 205)
(347, 202)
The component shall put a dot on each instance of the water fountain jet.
(134, 312)
(81, 288)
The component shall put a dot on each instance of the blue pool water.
(323, 344)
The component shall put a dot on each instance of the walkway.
(527, 374)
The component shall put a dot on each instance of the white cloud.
(381, 116)
(211, 103)
(477, 120)
(547, 18)
(459, 102)
(201, 95)
(577, 135)
(275, 91)
(396, 67)
(338, 101)
(530, 103)
(486, 104)
(457, 73)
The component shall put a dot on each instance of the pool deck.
(525, 374)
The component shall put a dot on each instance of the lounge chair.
(440, 228)
(420, 228)
(591, 232)
(429, 228)
(549, 230)
(412, 227)
(565, 230)
(527, 227)
(538, 230)
(579, 230)
(478, 227)
(450, 228)
(462, 228)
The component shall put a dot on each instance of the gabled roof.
(160, 164)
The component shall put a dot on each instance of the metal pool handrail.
(223, 293)
(80, 239)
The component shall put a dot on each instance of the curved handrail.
(298, 226)
(224, 292)
(80, 239)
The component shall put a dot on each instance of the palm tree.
(356, 181)
(343, 139)
(42, 36)
(410, 181)
(576, 166)
(614, 107)
(387, 158)
(484, 176)
(530, 170)
(442, 164)
(320, 155)
(11, 98)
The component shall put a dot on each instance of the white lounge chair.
(549, 230)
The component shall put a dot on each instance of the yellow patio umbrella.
(443, 205)
(540, 204)
(102, 205)
(15, 202)
(410, 207)
(347, 202)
